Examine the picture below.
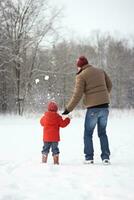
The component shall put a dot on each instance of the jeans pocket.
(92, 114)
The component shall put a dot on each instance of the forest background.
(38, 64)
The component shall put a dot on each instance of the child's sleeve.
(64, 122)
(42, 121)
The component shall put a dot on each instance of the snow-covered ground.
(24, 177)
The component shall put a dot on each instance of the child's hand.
(69, 116)
(66, 116)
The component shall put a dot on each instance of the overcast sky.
(85, 16)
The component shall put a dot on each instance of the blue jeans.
(54, 148)
(95, 116)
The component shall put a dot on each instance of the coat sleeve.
(108, 82)
(63, 122)
(42, 121)
(77, 93)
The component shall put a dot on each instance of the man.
(96, 86)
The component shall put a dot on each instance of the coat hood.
(51, 117)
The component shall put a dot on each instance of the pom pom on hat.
(82, 60)
(52, 106)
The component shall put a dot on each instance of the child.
(51, 122)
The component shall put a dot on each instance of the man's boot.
(44, 158)
(56, 159)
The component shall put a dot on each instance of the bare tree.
(26, 25)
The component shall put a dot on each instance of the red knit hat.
(82, 60)
(52, 106)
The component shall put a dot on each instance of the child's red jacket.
(52, 121)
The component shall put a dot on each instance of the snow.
(46, 78)
(24, 177)
(37, 81)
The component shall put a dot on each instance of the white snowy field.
(24, 177)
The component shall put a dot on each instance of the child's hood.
(51, 117)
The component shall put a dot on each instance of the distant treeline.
(31, 74)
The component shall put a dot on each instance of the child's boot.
(44, 158)
(56, 159)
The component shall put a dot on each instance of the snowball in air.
(37, 80)
(46, 77)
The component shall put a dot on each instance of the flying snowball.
(46, 77)
(37, 80)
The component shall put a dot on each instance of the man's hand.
(66, 112)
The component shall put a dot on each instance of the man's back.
(94, 84)
(97, 85)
